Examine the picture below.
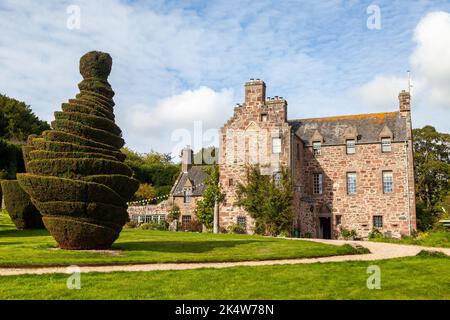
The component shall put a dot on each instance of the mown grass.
(37, 248)
(430, 239)
(421, 277)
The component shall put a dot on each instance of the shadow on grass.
(180, 246)
(24, 233)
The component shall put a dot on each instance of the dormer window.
(317, 148)
(351, 146)
(386, 145)
(187, 195)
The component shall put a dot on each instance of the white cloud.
(191, 115)
(430, 68)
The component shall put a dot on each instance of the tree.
(153, 168)
(432, 173)
(211, 193)
(268, 200)
(17, 121)
(75, 173)
(145, 191)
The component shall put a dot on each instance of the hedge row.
(48, 188)
(71, 147)
(79, 234)
(89, 210)
(76, 175)
(11, 160)
(123, 185)
(59, 136)
(96, 85)
(19, 206)
(68, 107)
(97, 135)
(90, 121)
(88, 101)
(42, 155)
(76, 168)
(96, 97)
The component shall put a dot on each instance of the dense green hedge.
(75, 172)
(11, 160)
(18, 204)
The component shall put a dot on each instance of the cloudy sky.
(179, 66)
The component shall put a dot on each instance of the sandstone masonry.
(354, 172)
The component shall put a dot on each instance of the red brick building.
(351, 171)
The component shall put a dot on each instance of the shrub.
(18, 204)
(348, 234)
(236, 228)
(284, 233)
(193, 226)
(161, 226)
(75, 172)
(131, 225)
(375, 234)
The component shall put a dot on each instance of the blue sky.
(182, 64)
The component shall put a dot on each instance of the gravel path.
(378, 251)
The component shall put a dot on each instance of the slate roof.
(196, 175)
(368, 127)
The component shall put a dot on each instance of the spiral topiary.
(75, 172)
(23, 213)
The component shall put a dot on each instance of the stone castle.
(354, 172)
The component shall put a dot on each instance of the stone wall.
(247, 139)
(357, 210)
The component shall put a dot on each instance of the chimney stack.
(186, 159)
(255, 92)
(405, 101)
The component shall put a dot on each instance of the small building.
(188, 188)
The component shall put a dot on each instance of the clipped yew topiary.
(75, 172)
(19, 206)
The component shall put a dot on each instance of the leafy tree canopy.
(268, 200)
(432, 174)
(17, 121)
(211, 193)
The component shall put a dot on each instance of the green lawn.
(405, 278)
(429, 239)
(36, 247)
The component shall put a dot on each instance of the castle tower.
(256, 134)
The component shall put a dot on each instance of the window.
(351, 148)
(378, 221)
(242, 221)
(386, 145)
(264, 117)
(388, 182)
(298, 151)
(338, 220)
(317, 146)
(276, 145)
(230, 182)
(185, 221)
(187, 195)
(317, 183)
(351, 182)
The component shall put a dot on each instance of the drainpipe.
(408, 187)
